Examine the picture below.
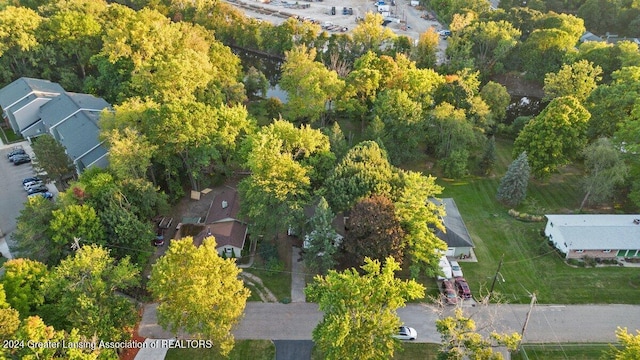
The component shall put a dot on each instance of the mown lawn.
(244, 349)
(561, 352)
(530, 265)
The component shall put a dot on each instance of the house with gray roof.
(21, 102)
(33, 107)
(456, 235)
(72, 119)
(598, 236)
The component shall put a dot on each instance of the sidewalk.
(297, 276)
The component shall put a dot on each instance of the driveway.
(293, 349)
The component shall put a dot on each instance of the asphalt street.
(548, 323)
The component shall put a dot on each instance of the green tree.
(370, 35)
(51, 160)
(578, 80)
(364, 171)
(555, 137)
(630, 346)
(74, 222)
(18, 40)
(360, 310)
(22, 282)
(255, 82)
(322, 240)
(545, 50)
(403, 125)
(83, 291)
(207, 303)
(374, 232)
(489, 157)
(9, 320)
(460, 339)
(337, 140)
(425, 52)
(308, 83)
(32, 234)
(130, 153)
(419, 218)
(497, 98)
(610, 105)
(281, 158)
(513, 186)
(605, 169)
(490, 43)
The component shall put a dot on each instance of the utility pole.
(526, 320)
(495, 277)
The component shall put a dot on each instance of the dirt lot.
(408, 20)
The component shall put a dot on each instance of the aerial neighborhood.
(320, 179)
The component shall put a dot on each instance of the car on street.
(159, 240)
(38, 189)
(20, 159)
(30, 179)
(406, 333)
(444, 33)
(29, 185)
(463, 288)
(456, 270)
(47, 195)
(16, 151)
(449, 292)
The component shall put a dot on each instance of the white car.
(31, 184)
(456, 270)
(406, 333)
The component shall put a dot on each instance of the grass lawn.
(410, 351)
(244, 349)
(561, 352)
(278, 282)
(530, 265)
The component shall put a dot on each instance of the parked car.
(445, 268)
(449, 293)
(38, 189)
(47, 195)
(406, 333)
(456, 270)
(15, 151)
(159, 240)
(30, 179)
(463, 288)
(444, 33)
(20, 159)
(29, 185)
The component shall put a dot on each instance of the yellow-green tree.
(198, 292)
(360, 316)
(630, 346)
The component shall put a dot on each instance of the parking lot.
(12, 194)
(408, 20)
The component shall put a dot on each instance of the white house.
(597, 236)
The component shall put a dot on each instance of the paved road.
(293, 349)
(548, 323)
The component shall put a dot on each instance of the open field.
(561, 352)
(530, 265)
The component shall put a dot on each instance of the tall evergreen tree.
(489, 157)
(513, 186)
(52, 160)
(320, 242)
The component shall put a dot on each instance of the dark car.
(18, 151)
(159, 240)
(38, 189)
(333, 10)
(449, 293)
(20, 159)
(47, 195)
(30, 179)
(463, 288)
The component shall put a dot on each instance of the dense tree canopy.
(360, 310)
(555, 137)
(207, 302)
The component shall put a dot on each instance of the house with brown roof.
(223, 224)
